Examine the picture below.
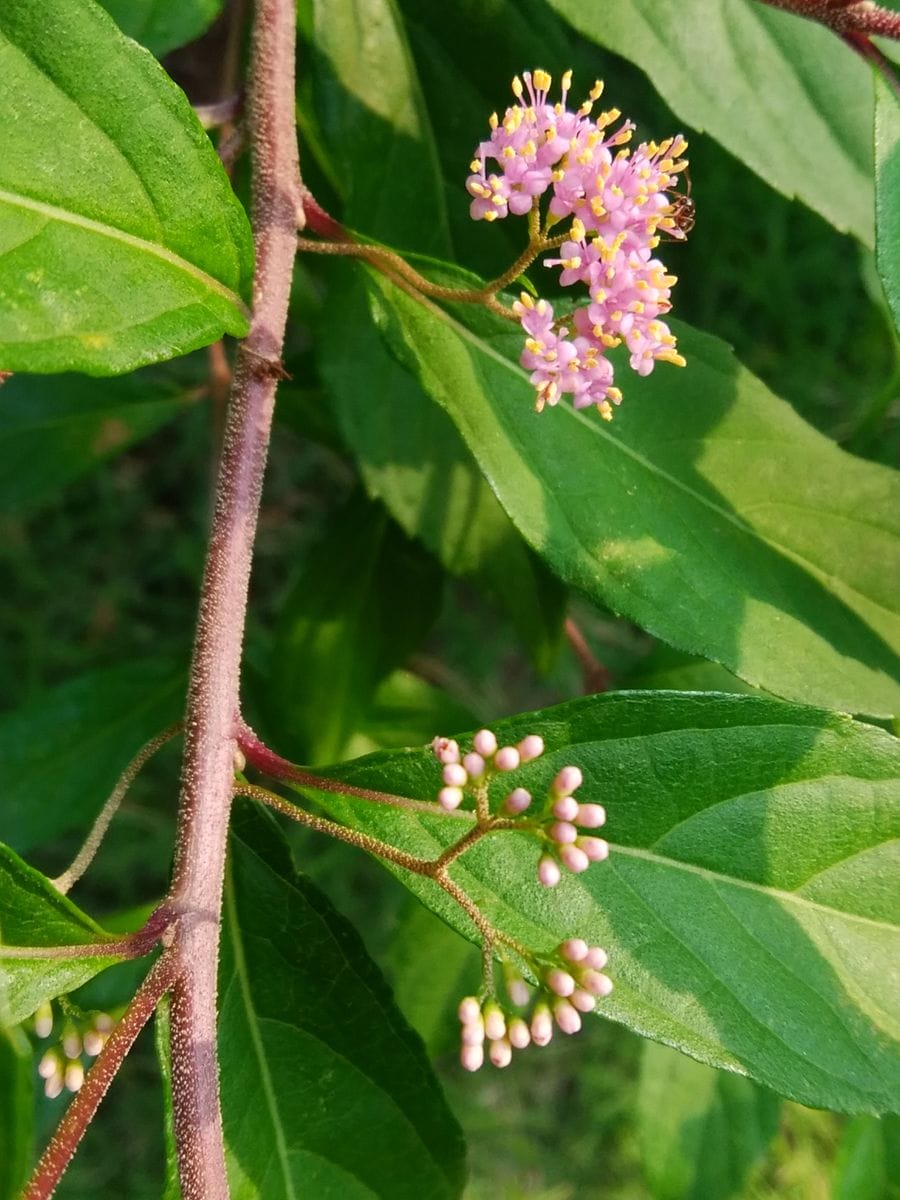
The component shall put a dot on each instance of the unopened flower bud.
(471, 1057)
(573, 858)
(474, 765)
(530, 747)
(590, 816)
(501, 1052)
(454, 775)
(517, 801)
(43, 1020)
(567, 1017)
(574, 949)
(506, 758)
(54, 1085)
(518, 990)
(582, 1000)
(596, 957)
(445, 750)
(74, 1076)
(473, 1034)
(93, 1042)
(563, 833)
(485, 743)
(469, 1010)
(595, 983)
(595, 848)
(71, 1043)
(549, 873)
(450, 798)
(561, 982)
(494, 1022)
(49, 1064)
(567, 781)
(541, 1025)
(518, 1033)
(566, 808)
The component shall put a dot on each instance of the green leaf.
(309, 1039)
(62, 754)
(163, 25)
(779, 562)
(863, 1167)
(34, 913)
(782, 94)
(364, 600)
(887, 192)
(17, 1076)
(54, 431)
(405, 710)
(121, 240)
(700, 1130)
(362, 101)
(411, 457)
(748, 903)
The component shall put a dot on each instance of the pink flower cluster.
(620, 205)
(476, 767)
(571, 982)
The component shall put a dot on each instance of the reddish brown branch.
(80, 1112)
(844, 17)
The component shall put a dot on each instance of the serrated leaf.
(34, 913)
(778, 562)
(309, 1038)
(411, 457)
(55, 430)
(700, 1130)
(365, 598)
(747, 904)
(62, 754)
(17, 1076)
(887, 191)
(163, 25)
(121, 242)
(782, 94)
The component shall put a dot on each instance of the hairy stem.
(845, 16)
(213, 696)
(81, 1110)
(85, 855)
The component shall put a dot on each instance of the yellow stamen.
(542, 80)
(669, 356)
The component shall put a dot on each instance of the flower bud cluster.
(567, 846)
(571, 982)
(62, 1066)
(620, 202)
(486, 758)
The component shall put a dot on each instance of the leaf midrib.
(65, 216)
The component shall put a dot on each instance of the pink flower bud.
(566, 808)
(590, 816)
(454, 775)
(563, 833)
(518, 1033)
(549, 873)
(595, 983)
(473, 1035)
(474, 764)
(445, 750)
(567, 781)
(596, 957)
(54, 1086)
(485, 743)
(582, 1000)
(93, 1043)
(567, 1017)
(561, 982)
(469, 1010)
(531, 747)
(506, 758)
(494, 1022)
(501, 1053)
(517, 801)
(450, 798)
(519, 992)
(541, 1025)
(471, 1057)
(574, 949)
(74, 1076)
(49, 1064)
(573, 858)
(595, 848)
